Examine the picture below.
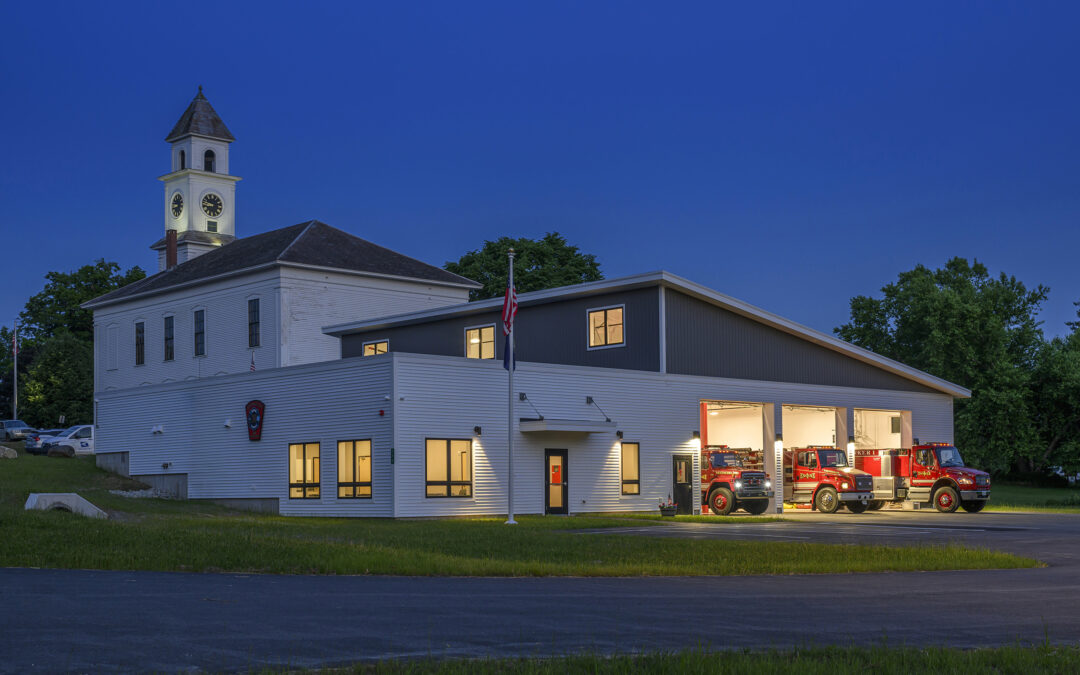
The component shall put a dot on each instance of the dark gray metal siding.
(703, 339)
(555, 332)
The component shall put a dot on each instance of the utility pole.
(15, 372)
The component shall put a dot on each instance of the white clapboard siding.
(225, 304)
(324, 402)
(446, 397)
(312, 299)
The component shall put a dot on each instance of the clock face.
(177, 205)
(212, 205)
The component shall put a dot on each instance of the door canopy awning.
(540, 425)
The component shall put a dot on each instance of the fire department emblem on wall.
(255, 413)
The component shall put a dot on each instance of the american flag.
(253, 362)
(510, 307)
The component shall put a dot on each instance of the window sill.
(600, 347)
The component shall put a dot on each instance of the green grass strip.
(162, 535)
(879, 660)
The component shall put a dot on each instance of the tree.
(52, 313)
(57, 306)
(60, 382)
(545, 263)
(968, 327)
(1056, 403)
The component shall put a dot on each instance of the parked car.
(79, 438)
(36, 440)
(14, 430)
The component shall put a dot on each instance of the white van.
(79, 438)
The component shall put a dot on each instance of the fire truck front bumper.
(856, 496)
(753, 493)
(974, 495)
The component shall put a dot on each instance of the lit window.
(449, 468)
(480, 342)
(253, 322)
(377, 347)
(169, 353)
(303, 471)
(354, 469)
(606, 327)
(200, 332)
(631, 466)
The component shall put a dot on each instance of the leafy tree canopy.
(59, 381)
(969, 327)
(544, 263)
(56, 308)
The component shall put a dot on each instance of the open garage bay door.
(882, 429)
(737, 425)
(805, 425)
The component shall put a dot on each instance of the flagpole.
(510, 408)
(15, 372)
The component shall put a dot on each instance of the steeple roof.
(200, 118)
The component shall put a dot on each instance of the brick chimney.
(170, 249)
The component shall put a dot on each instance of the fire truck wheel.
(973, 506)
(721, 501)
(826, 500)
(756, 507)
(946, 500)
(857, 507)
(876, 504)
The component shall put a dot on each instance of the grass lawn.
(806, 661)
(1007, 497)
(151, 534)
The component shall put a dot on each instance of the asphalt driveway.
(89, 621)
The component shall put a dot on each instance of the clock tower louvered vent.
(199, 191)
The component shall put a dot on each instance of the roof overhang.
(544, 424)
(664, 280)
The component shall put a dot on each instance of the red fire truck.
(932, 473)
(732, 478)
(819, 477)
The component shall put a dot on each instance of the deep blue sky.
(791, 155)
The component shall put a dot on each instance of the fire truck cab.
(731, 480)
(820, 477)
(931, 473)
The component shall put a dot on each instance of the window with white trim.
(606, 327)
(480, 342)
(253, 323)
(200, 332)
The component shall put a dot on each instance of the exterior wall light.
(477, 430)
(696, 435)
(778, 444)
(619, 433)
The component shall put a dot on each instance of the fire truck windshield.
(947, 455)
(725, 460)
(833, 458)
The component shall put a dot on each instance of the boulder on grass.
(61, 451)
(8, 453)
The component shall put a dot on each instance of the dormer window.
(208, 161)
(183, 160)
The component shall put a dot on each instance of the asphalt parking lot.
(1052, 538)
(92, 621)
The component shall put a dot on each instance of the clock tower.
(199, 192)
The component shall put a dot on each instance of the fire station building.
(306, 371)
